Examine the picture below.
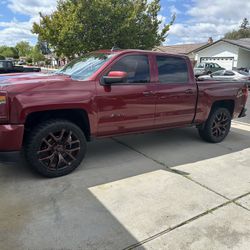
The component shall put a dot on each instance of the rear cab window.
(172, 70)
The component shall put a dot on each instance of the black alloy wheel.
(220, 125)
(59, 149)
(217, 125)
(55, 148)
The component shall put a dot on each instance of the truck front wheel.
(55, 148)
(217, 126)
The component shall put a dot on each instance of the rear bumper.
(11, 137)
(243, 113)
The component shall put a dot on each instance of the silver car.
(224, 75)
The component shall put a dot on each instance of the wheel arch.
(228, 104)
(77, 116)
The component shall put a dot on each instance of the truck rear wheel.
(217, 126)
(55, 148)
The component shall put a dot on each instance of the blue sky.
(196, 20)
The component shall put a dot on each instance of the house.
(229, 54)
(184, 49)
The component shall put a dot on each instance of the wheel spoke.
(51, 165)
(44, 151)
(53, 137)
(47, 143)
(47, 157)
(219, 131)
(69, 137)
(73, 142)
(61, 159)
(70, 155)
(72, 150)
(62, 134)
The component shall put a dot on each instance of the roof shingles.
(244, 42)
(180, 49)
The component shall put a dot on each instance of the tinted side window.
(218, 73)
(229, 73)
(137, 67)
(9, 65)
(172, 69)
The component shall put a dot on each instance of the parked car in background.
(226, 75)
(9, 67)
(21, 62)
(206, 69)
(244, 69)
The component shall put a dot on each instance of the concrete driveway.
(162, 190)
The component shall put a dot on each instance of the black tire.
(55, 148)
(217, 126)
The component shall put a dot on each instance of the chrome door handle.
(189, 92)
(148, 93)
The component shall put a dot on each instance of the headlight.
(3, 107)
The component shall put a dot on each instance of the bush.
(29, 60)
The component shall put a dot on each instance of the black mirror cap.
(107, 80)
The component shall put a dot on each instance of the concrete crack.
(155, 236)
(181, 173)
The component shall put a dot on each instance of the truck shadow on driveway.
(167, 149)
(66, 212)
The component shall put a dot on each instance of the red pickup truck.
(105, 94)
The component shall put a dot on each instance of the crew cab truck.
(105, 94)
(9, 67)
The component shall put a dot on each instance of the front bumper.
(11, 137)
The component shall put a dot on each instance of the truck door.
(127, 106)
(176, 93)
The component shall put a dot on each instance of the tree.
(36, 54)
(23, 48)
(242, 32)
(8, 52)
(245, 24)
(79, 26)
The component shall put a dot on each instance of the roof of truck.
(124, 51)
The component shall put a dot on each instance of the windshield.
(85, 66)
(200, 65)
(243, 73)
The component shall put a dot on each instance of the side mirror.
(115, 77)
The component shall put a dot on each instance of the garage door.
(224, 62)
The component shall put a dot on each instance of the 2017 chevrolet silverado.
(105, 94)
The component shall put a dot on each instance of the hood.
(22, 81)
